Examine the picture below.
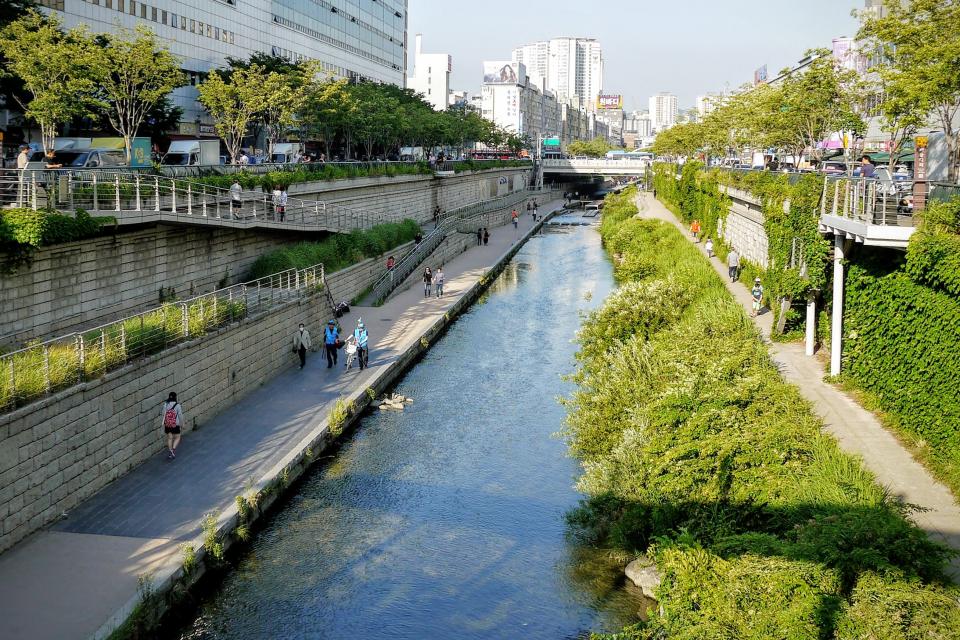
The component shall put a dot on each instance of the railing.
(866, 200)
(47, 367)
(943, 192)
(451, 221)
(268, 167)
(137, 197)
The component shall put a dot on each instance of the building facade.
(350, 38)
(517, 105)
(663, 111)
(431, 75)
(572, 68)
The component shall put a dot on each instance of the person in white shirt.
(283, 204)
(22, 161)
(235, 197)
(244, 158)
(275, 196)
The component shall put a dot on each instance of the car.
(85, 158)
(833, 167)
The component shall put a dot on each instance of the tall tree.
(920, 38)
(233, 105)
(57, 69)
(135, 75)
(282, 101)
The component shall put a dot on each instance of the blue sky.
(689, 47)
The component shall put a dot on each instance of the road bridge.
(597, 166)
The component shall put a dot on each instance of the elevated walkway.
(596, 167)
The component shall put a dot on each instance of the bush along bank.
(24, 230)
(797, 253)
(902, 340)
(339, 251)
(696, 453)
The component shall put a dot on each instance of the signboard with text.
(609, 102)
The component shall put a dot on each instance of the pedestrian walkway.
(69, 580)
(857, 430)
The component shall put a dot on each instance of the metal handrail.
(46, 367)
(866, 200)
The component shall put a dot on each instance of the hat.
(331, 322)
(757, 279)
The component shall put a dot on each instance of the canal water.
(447, 520)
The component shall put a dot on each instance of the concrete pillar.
(836, 325)
(811, 323)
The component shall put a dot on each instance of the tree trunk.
(48, 134)
(128, 146)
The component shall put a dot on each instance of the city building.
(707, 103)
(350, 41)
(572, 68)
(663, 111)
(431, 75)
(516, 104)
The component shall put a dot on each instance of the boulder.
(643, 573)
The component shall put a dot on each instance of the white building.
(431, 76)
(512, 101)
(351, 40)
(571, 67)
(707, 103)
(663, 111)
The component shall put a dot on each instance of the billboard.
(503, 72)
(760, 75)
(609, 102)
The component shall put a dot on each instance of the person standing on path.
(301, 342)
(515, 217)
(486, 236)
(22, 160)
(695, 230)
(535, 212)
(275, 197)
(171, 417)
(361, 337)
(757, 295)
(391, 263)
(733, 264)
(331, 336)
(427, 281)
(283, 203)
(235, 197)
(438, 281)
(709, 247)
(479, 236)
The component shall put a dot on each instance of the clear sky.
(688, 47)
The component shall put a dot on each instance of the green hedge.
(338, 251)
(24, 230)
(697, 452)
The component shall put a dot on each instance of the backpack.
(170, 417)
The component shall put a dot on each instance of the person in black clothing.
(479, 236)
(417, 239)
(486, 236)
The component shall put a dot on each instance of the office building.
(431, 75)
(349, 40)
(663, 111)
(517, 105)
(572, 68)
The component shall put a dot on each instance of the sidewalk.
(68, 580)
(857, 430)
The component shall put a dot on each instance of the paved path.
(67, 581)
(857, 430)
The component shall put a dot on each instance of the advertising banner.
(609, 102)
(760, 75)
(501, 72)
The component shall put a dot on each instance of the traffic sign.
(551, 142)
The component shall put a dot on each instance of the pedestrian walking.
(515, 217)
(695, 230)
(709, 247)
(867, 168)
(427, 282)
(331, 339)
(486, 236)
(275, 197)
(22, 160)
(171, 417)
(438, 281)
(757, 297)
(301, 342)
(417, 239)
(235, 196)
(733, 264)
(436, 216)
(479, 236)
(361, 337)
(391, 263)
(283, 204)
(535, 212)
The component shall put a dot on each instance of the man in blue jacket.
(330, 337)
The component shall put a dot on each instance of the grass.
(696, 452)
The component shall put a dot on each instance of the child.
(709, 247)
(757, 294)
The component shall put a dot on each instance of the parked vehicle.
(286, 152)
(191, 153)
(84, 158)
(833, 167)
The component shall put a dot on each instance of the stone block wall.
(85, 283)
(61, 450)
(348, 283)
(743, 230)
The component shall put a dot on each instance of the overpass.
(596, 166)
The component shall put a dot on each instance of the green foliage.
(693, 444)
(933, 255)
(24, 230)
(338, 417)
(596, 148)
(211, 542)
(339, 250)
(902, 345)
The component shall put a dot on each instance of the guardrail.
(44, 368)
(866, 200)
(138, 197)
(450, 221)
(943, 192)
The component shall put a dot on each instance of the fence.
(45, 368)
(943, 192)
(865, 200)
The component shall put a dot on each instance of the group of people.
(483, 236)
(332, 343)
(433, 280)
(733, 268)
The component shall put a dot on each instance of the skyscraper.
(663, 110)
(570, 67)
(431, 75)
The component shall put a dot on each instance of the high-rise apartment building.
(572, 68)
(351, 39)
(431, 75)
(663, 111)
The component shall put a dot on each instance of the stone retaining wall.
(60, 450)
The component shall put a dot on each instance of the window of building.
(173, 21)
(143, 11)
(163, 17)
(231, 37)
(52, 4)
(153, 14)
(133, 7)
(193, 26)
(183, 23)
(120, 6)
(209, 31)
(216, 33)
